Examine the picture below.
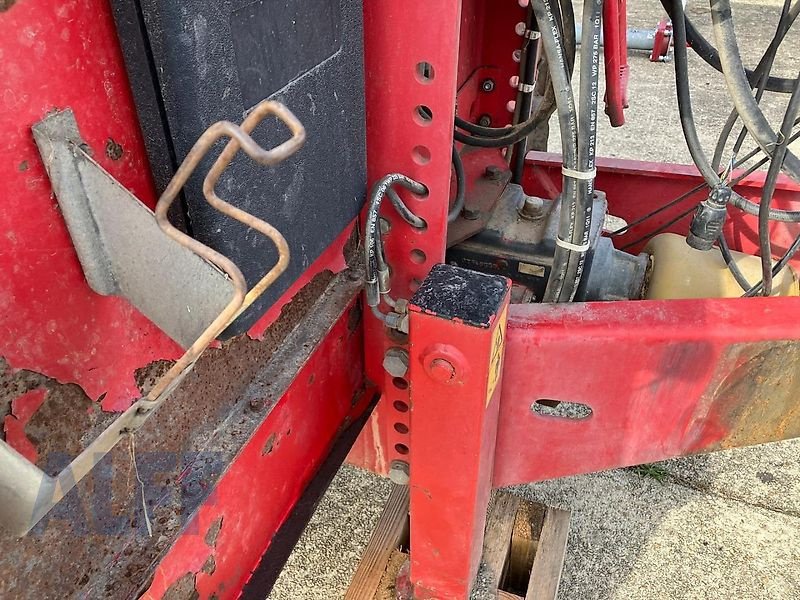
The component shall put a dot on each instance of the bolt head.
(395, 362)
(487, 85)
(485, 121)
(441, 370)
(493, 173)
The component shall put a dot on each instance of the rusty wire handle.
(239, 139)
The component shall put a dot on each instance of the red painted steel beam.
(410, 59)
(455, 365)
(635, 188)
(615, 53)
(260, 488)
(662, 379)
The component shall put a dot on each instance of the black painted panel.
(214, 60)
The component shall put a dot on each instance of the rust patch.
(213, 532)
(23, 166)
(106, 552)
(209, 566)
(269, 445)
(65, 422)
(354, 318)
(352, 249)
(114, 151)
(147, 376)
(183, 589)
(758, 401)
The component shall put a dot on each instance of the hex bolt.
(485, 121)
(399, 472)
(395, 362)
(532, 208)
(471, 214)
(441, 370)
(493, 173)
(487, 85)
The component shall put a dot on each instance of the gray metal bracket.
(190, 291)
(121, 248)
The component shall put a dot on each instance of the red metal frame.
(615, 55)
(688, 384)
(285, 451)
(456, 371)
(396, 87)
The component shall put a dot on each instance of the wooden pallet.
(523, 550)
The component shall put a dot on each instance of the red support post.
(457, 334)
(615, 52)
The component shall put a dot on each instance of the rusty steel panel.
(99, 533)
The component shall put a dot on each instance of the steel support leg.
(457, 338)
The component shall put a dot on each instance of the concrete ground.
(717, 526)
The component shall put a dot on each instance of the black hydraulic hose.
(685, 99)
(405, 213)
(588, 95)
(730, 262)
(751, 208)
(778, 158)
(557, 284)
(461, 185)
(762, 72)
(739, 86)
(490, 132)
(710, 55)
(515, 133)
(756, 289)
(373, 253)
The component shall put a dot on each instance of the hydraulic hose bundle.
(709, 218)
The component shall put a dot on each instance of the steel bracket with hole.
(187, 289)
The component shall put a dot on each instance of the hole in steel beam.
(400, 406)
(573, 411)
(423, 115)
(401, 428)
(401, 448)
(425, 72)
(400, 383)
(417, 256)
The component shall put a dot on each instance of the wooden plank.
(501, 595)
(525, 537)
(497, 539)
(549, 559)
(391, 529)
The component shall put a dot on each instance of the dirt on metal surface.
(98, 533)
(757, 401)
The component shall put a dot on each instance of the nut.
(395, 362)
(487, 85)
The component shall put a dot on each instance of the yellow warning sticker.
(496, 354)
